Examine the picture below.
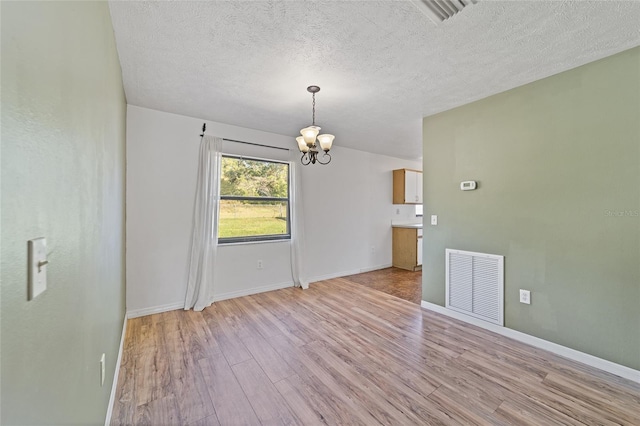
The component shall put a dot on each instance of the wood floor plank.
(311, 367)
(342, 353)
(537, 397)
(481, 397)
(400, 283)
(301, 403)
(327, 402)
(413, 395)
(408, 339)
(396, 380)
(230, 344)
(124, 408)
(515, 412)
(148, 332)
(198, 339)
(161, 411)
(211, 420)
(132, 333)
(610, 406)
(368, 394)
(151, 367)
(284, 317)
(273, 365)
(189, 388)
(460, 413)
(237, 323)
(262, 324)
(230, 402)
(263, 396)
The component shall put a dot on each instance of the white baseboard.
(114, 384)
(375, 268)
(250, 291)
(135, 313)
(590, 360)
(347, 273)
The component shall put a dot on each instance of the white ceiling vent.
(439, 10)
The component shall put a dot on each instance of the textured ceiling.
(382, 65)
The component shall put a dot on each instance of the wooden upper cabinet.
(407, 186)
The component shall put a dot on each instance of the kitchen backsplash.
(404, 213)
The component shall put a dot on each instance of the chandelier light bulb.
(309, 134)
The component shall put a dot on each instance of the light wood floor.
(398, 282)
(341, 353)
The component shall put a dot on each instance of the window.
(254, 200)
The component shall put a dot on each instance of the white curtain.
(204, 236)
(297, 224)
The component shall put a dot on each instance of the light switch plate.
(37, 267)
(434, 219)
(102, 369)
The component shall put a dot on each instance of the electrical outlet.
(525, 297)
(397, 211)
(260, 264)
(434, 219)
(373, 249)
(102, 369)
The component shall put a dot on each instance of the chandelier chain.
(310, 143)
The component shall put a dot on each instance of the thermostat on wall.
(468, 185)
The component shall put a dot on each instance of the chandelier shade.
(310, 135)
(302, 145)
(326, 141)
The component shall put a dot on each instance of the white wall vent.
(475, 284)
(439, 10)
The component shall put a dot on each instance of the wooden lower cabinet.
(407, 248)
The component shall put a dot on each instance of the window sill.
(240, 243)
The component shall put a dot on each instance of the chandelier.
(307, 142)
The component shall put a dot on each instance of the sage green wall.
(63, 169)
(558, 167)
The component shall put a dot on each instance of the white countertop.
(407, 225)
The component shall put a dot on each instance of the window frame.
(255, 238)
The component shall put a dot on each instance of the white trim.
(347, 273)
(375, 268)
(114, 385)
(240, 243)
(250, 291)
(135, 313)
(590, 360)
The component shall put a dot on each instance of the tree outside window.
(254, 200)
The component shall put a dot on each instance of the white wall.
(348, 213)
(347, 207)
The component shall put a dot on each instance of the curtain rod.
(204, 128)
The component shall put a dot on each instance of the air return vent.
(475, 284)
(439, 10)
